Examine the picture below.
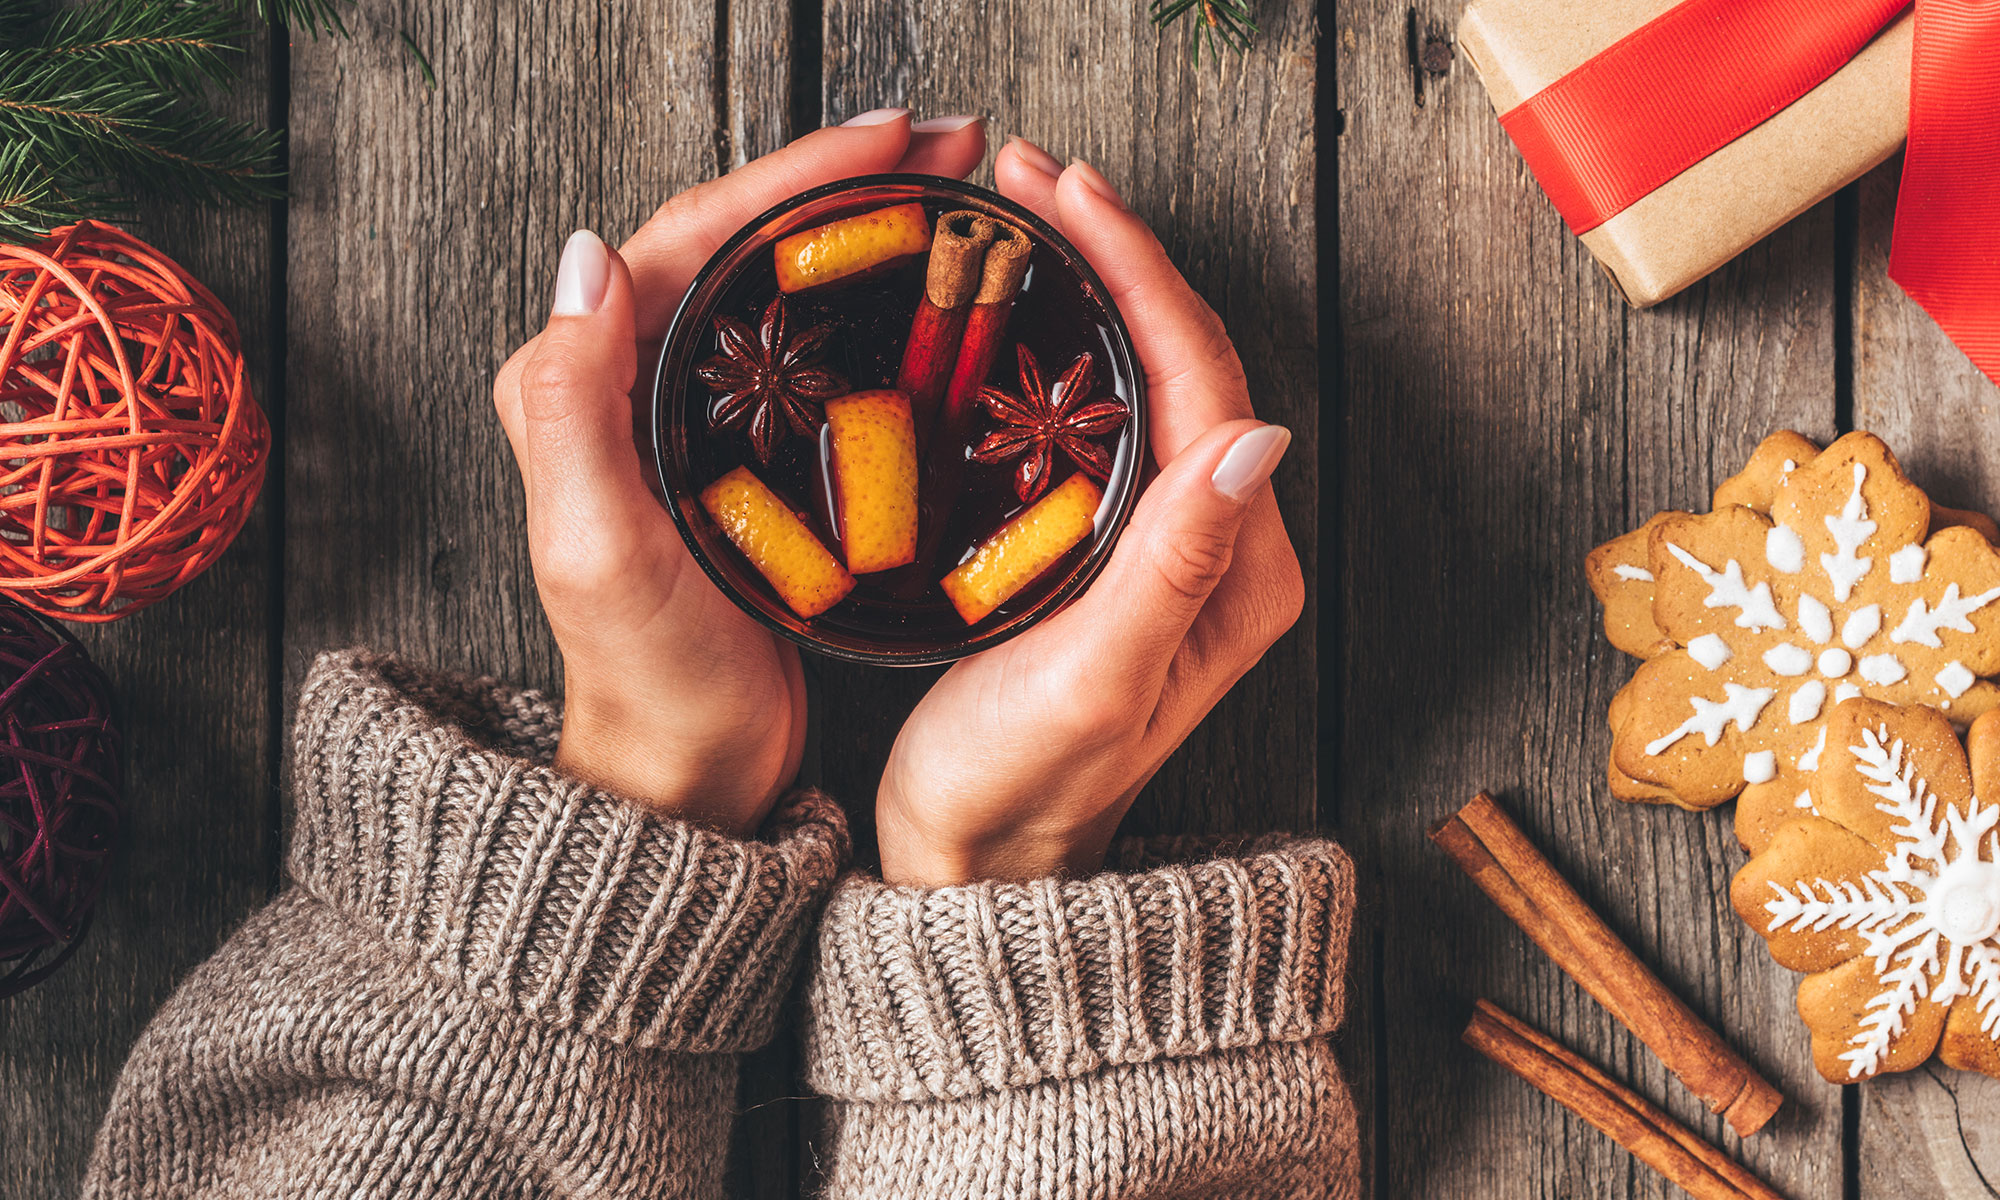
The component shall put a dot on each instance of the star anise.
(770, 378)
(1044, 419)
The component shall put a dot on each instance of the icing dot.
(1835, 662)
(1809, 761)
(1882, 669)
(1760, 767)
(1789, 467)
(1954, 679)
(1628, 571)
(1787, 659)
(1815, 620)
(1907, 565)
(1964, 903)
(1861, 625)
(1709, 650)
(1844, 692)
(1804, 799)
(1807, 701)
(1784, 549)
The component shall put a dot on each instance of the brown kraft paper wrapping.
(1730, 200)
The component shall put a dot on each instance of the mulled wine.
(899, 419)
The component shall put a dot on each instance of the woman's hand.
(1022, 760)
(673, 696)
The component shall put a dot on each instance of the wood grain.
(1504, 412)
(1931, 1133)
(190, 677)
(1220, 160)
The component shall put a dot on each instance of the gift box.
(1712, 210)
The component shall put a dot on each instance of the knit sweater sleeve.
(488, 979)
(1159, 1030)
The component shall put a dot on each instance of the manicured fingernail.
(584, 274)
(945, 124)
(1036, 157)
(877, 116)
(1095, 181)
(1250, 461)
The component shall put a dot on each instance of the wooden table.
(1474, 409)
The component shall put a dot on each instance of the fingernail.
(1250, 461)
(945, 124)
(1036, 157)
(584, 274)
(876, 116)
(1095, 181)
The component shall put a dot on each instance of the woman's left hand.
(673, 696)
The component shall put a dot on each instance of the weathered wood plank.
(1220, 159)
(1503, 413)
(1933, 1132)
(191, 676)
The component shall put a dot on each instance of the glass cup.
(903, 616)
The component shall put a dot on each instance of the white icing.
(1927, 917)
(1922, 623)
(1788, 660)
(1809, 761)
(1815, 620)
(1788, 467)
(1861, 624)
(1851, 530)
(1882, 669)
(1760, 766)
(1742, 706)
(1835, 662)
(1844, 692)
(1784, 549)
(1907, 565)
(1628, 571)
(1804, 799)
(1709, 650)
(1954, 679)
(1727, 589)
(1807, 701)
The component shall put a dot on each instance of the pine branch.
(309, 16)
(1222, 24)
(109, 99)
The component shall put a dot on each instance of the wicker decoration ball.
(59, 792)
(130, 447)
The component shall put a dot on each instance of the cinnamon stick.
(952, 279)
(1506, 865)
(1652, 1136)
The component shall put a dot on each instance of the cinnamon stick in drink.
(1506, 865)
(1652, 1136)
(951, 281)
(1000, 281)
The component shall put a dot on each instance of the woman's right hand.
(1022, 760)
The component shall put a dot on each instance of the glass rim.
(677, 486)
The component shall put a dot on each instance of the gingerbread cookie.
(1888, 895)
(1819, 576)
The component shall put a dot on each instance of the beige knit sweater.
(492, 980)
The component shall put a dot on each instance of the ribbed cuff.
(921, 994)
(426, 807)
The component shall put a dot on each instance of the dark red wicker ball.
(59, 792)
(130, 447)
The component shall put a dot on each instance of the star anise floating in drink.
(1046, 418)
(769, 379)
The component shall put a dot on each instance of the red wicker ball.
(59, 791)
(130, 447)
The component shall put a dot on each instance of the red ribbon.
(1706, 72)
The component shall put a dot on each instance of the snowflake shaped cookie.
(1889, 897)
(1820, 576)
